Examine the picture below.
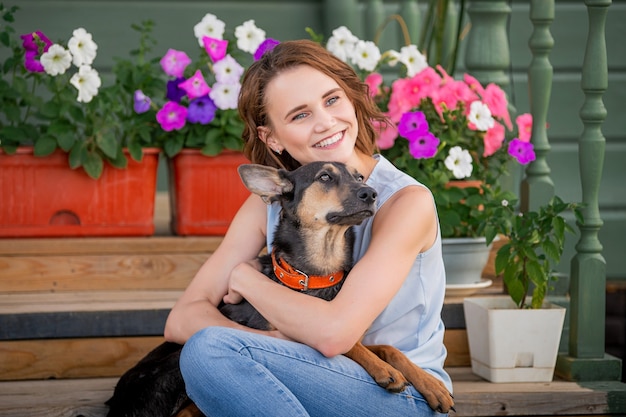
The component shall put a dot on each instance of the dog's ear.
(264, 181)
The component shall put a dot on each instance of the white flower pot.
(508, 344)
(464, 259)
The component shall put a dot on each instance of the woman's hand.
(239, 273)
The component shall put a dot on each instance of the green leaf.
(211, 149)
(93, 165)
(44, 146)
(172, 146)
(108, 143)
(78, 155)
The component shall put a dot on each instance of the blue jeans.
(236, 373)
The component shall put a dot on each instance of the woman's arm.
(197, 307)
(405, 226)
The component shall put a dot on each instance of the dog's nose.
(367, 194)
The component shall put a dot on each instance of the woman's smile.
(329, 142)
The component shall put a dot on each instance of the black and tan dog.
(320, 201)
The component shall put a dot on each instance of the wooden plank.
(456, 343)
(105, 272)
(109, 245)
(72, 358)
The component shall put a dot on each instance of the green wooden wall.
(109, 22)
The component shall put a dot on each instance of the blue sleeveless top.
(412, 320)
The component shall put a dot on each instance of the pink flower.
(387, 134)
(216, 48)
(474, 84)
(373, 81)
(495, 99)
(172, 116)
(493, 139)
(524, 124)
(195, 86)
(174, 63)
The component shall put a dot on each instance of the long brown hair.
(252, 104)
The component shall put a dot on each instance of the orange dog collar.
(298, 280)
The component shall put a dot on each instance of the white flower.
(341, 43)
(209, 26)
(225, 96)
(56, 60)
(249, 37)
(459, 161)
(480, 116)
(87, 81)
(227, 70)
(505, 203)
(82, 47)
(366, 55)
(393, 57)
(413, 59)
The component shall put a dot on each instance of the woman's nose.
(324, 120)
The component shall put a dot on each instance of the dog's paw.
(392, 380)
(437, 395)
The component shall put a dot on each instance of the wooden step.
(473, 397)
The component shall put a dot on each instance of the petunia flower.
(366, 55)
(267, 45)
(209, 26)
(56, 60)
(36, 41)
(82, 47)
(225, 96)
(174, 92)
(387, 134)
(524, 152)
(201, 110)
(374, 81)
(459, 161)
(87, 82)
(195, 86)
(31, 63)
(174, 62)
(227, 71)
(341, 43)
(495, 98)
(480, 116)
(413, 60)
(493, 139)
(249, 37)
(172, 116)
(215, 48)
(524, 124)
(413, 125)
(141, 102)
(424, 146)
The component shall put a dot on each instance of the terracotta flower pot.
(43, 197)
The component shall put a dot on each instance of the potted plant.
(450, 135)
(516, 338)
(55, 113)
(198, 126)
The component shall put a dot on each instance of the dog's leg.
(383, 373)
(433, 390)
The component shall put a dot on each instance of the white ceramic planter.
(508, 344)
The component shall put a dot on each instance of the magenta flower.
(201, 110)
(141, 102)
(34, 41)
(195, 86)
(174, 62)
(424, 146)
(413, 125)
(215, 48)
(172, 116)
(524, 152)
(267, 45)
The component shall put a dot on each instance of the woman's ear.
(265, 134)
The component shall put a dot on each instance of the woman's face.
(311, 117)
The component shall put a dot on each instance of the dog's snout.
(367, 194)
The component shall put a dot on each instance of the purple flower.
(34, 40)
(424, 146)
(174, 62)
(524, 152)
(141, 102)
(216, 48)
(174, 92)
(172, 116)
(195, 86)
(31, 63)
(201, 110)
(267, 45)
(413, 125)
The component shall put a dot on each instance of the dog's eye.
(360, 178)
(325, 178)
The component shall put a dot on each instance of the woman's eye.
(298, 116)
(332, 100)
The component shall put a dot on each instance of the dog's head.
(317, 193)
